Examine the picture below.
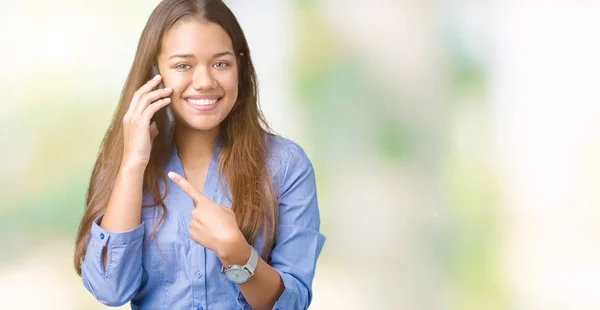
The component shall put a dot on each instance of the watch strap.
(250, 265)
(252, 261)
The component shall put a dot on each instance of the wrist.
(128, 166)
(235, 252)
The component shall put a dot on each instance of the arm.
(265, 286)
(124, 210)
(119, 281)
(287, 282)
(112, 267)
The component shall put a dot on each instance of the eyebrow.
(217, 55)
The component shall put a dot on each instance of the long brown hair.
(243, 134)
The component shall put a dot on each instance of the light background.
(456, 143)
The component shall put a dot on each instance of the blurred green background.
(455, 143)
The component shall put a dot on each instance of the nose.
(203, 79)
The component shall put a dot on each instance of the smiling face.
(198, 62)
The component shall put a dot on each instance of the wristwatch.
(241, 274)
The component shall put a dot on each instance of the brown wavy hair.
(243, 134)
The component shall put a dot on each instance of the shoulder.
(286, 159)
(283, 153)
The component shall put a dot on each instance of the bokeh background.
(456, 143)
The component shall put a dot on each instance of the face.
(198, 62)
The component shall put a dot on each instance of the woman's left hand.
(213, 226)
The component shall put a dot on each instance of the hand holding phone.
(139, 131)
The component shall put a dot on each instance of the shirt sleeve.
(118, 283)
(298, 242)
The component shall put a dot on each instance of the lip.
(202, 97)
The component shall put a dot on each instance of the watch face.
(238, 276)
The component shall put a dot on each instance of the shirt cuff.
(101, 236)
(289, 295)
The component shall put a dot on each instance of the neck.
(195, 147)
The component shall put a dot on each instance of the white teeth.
(202, 101)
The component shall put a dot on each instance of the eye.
(183, 66)
(221, 65)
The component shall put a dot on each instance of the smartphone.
(164, 118)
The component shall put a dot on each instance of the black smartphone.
(164, 118)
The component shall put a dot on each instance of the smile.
(203, 104)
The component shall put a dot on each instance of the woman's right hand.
(138, 132)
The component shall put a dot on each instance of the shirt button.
(101, 236)
(199, 275)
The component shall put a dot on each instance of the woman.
(226, 217)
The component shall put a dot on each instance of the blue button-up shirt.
(171, 271)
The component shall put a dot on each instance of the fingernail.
(157, 77)
(167, 99)
(168, 89)
(171, 175)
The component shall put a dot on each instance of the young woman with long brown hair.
(226, 216)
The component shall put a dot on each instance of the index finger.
(187, 187)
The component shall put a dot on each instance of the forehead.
(197, 37)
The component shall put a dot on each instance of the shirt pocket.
(160, 255)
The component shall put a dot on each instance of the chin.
(202, 125)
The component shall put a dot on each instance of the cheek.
(178, 84)
(234, 91)
(231, 86)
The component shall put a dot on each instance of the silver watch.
(241, 274)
